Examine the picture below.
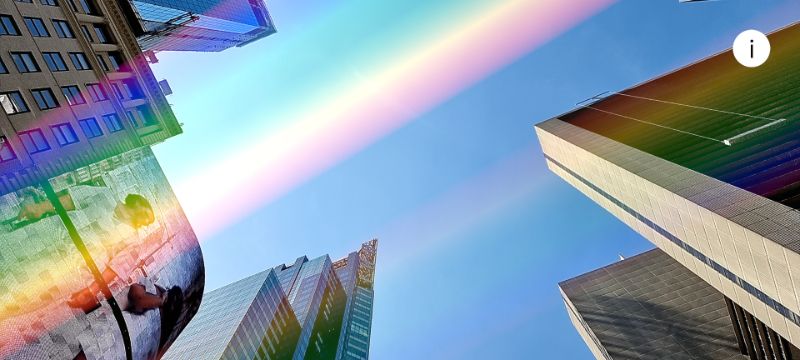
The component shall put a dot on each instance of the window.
(117, 91)
(86, 33)
(6, 152)
(44, 98)
(54, 61)
(116, 61)
(36, 27)
(80, 61)
(132, 119)
(73, 95)
(25, 62)
(96, 92)
(13, 103)
(86, 6)
(8, 26)
(147, 116)
(3, 69)
(90, 128)
(34, 141)
(103, 64)
(64, 134)
(62, 29)
(113, 123)
(132, 89)
(25, 1)
(102, 34)
(49, 2)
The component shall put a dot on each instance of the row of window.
(37, 28)
(14, 103)
(34, 140)
(85, 6)
(25, 62)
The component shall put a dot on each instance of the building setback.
(329, 317)
(702, 162)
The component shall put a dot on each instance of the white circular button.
(751, 48)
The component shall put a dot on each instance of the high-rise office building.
(650, 307)
(195, 25)
(703, 162)
(97, 259)
(328, 312)
(318, 300)
(357, 274)
(249, 319)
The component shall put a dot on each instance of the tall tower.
(703, 162)
(357, 274)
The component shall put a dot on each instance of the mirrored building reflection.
(97, 263)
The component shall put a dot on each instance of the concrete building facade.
(701, 162)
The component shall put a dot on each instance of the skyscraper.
(329, 312)
(195, 25)
(357, 275)
(249, 319)
(650, 307)
(703, 162)
(97, 259)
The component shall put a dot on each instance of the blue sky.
(475, 233)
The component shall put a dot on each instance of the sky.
(412, 121)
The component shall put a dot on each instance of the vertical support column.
(764, 338)
(737, 326)
(753, 328)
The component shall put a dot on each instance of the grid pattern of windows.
(13, 103)
(49, 2)
(36, 27)
(73, 95)
(62, 29)
(25, 62)
(96, 92)
(8, 26)
(64, 134)
(54, 61)
(6, 152)
(79, 61)
(113, 123)
(90, 128)
(34, 141)
(44, 98)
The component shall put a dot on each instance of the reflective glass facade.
(357, 272)
(199, 25)
(97, 263)
(310, 309)
(249, 319)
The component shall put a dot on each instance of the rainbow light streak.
(372, 106)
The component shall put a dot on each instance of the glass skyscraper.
(357, 273)
(249, 319)
(327, 316)
(703, 162)
(197, 25)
